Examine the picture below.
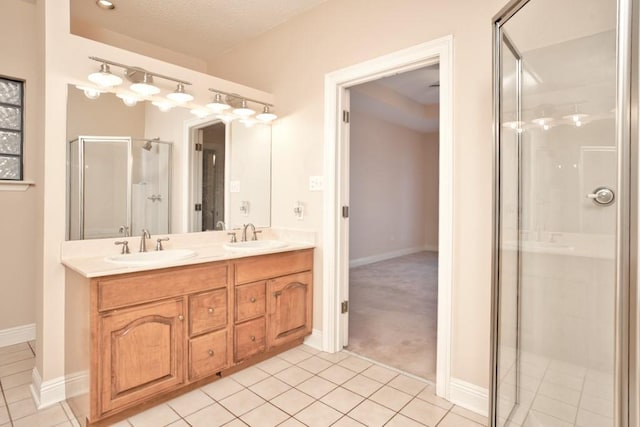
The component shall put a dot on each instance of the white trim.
(15, 185)
(46, 393)
(469, 396)
(336, 84)
(314, 340)
(358, 262)
(17, 335)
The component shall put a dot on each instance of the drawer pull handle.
(181, 317)
(211, 353)
(210, 309)
(253, 299)
(253, 337)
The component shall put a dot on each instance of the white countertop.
(87, 257)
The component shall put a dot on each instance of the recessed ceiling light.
(105, 4)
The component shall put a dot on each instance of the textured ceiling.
(417, 85)
(198, 28)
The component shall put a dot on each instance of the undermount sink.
(254, 245)
(151, 258)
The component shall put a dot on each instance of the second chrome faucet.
(143, 240)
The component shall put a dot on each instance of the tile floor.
(301, 387)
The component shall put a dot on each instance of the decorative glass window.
(11, 128)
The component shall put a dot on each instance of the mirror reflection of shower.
(118, 186)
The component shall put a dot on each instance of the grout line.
(6, 404)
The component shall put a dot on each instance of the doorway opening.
(336, 196)
(393, 220)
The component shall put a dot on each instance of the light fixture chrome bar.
(235, 95)
(141, 70)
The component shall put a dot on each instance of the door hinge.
(344, 307)
(345, 212)
(198, 207)
(345, 116)
(199, 147)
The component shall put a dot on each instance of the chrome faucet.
(143, 240)
(253, 230)
(221, 225)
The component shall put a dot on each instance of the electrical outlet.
(316, 183)
(234, 186)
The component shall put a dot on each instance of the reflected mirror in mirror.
(173, 179)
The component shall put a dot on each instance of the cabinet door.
(290, 299)
(142, 352)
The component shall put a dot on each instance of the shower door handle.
(602, 196)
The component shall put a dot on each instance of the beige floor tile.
(314, 364)
(380, 374)
(455, 420)
(292, 401)
(480, 419)
(273, 365)
(356, 364)
(316, 387)
(51, 416)
(342, 399)
(15, 367)
(295, 355)
(64, 424)
(423, 412)
(211, 416)
(347, 422)
(14, 380)
(596, 405)
(371, 414)
(293, 375)
(337, 374)
(291, 422)
(555, 408)
(560, 392)
(249, 376)
(123, 423)
(407, 384)
(22, 408)
(269, 388)
(242, 402)
(333, 357)
(160, 415)
(309, 349)
(429, 395)
(589, 419)
(179, 423)
(4, 415)
(17, 393)
(13, 348)
(400, 420)
(16, 356)
(538, 419)
(561, 379)
(237, 422)
(266, 415)
(189, 403)
(222, 388)
(362, 385)
(391, 398)
(318, 415)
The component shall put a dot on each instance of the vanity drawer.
(207, 311)
(269, 266)
(250, 301)
(250, 338)
(207, 354)
(131, 289)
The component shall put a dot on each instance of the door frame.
(336, 173)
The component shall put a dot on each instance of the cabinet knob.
(181, 317)
(210, 353)
(210, 309)
(253, 337)
(253, 299)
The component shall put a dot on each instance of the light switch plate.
(234, 186)
(316, 183)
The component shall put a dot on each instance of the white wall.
(393, 188)
(291, 61)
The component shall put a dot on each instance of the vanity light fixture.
(90, 92)
(200, 112)
(163, 106)
(145, 87)
(226, 118)
(104, 77)
(243, 110)
(179, 95)
(248, 122)
(129, 100)
(218, 105)
(266, 115)
(105, 4)
(543, 122)
(576, 118)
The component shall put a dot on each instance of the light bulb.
(163, 105)
(226, 118)
(104, 77)
(266, 115)
(248, 122)
(90, 92)
(129, 100)
(243, 110)
(199, 112)
(105, 4)
(218, 105)
(145, 87)
(179, 95)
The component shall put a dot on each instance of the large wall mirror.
(135, 167)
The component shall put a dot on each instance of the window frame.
(21, 131)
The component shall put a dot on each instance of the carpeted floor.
(393, 312)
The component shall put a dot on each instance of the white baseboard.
(17, 335)
(314, 340)
(46, 393)
(469, 396)
(389, 255)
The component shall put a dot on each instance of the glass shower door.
(556, 159)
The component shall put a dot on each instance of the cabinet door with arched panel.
(289, 309)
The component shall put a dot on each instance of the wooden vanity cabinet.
(290, 303)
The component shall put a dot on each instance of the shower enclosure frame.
(81, 192)
(627, 313)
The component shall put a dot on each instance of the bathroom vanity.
(134, 339)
